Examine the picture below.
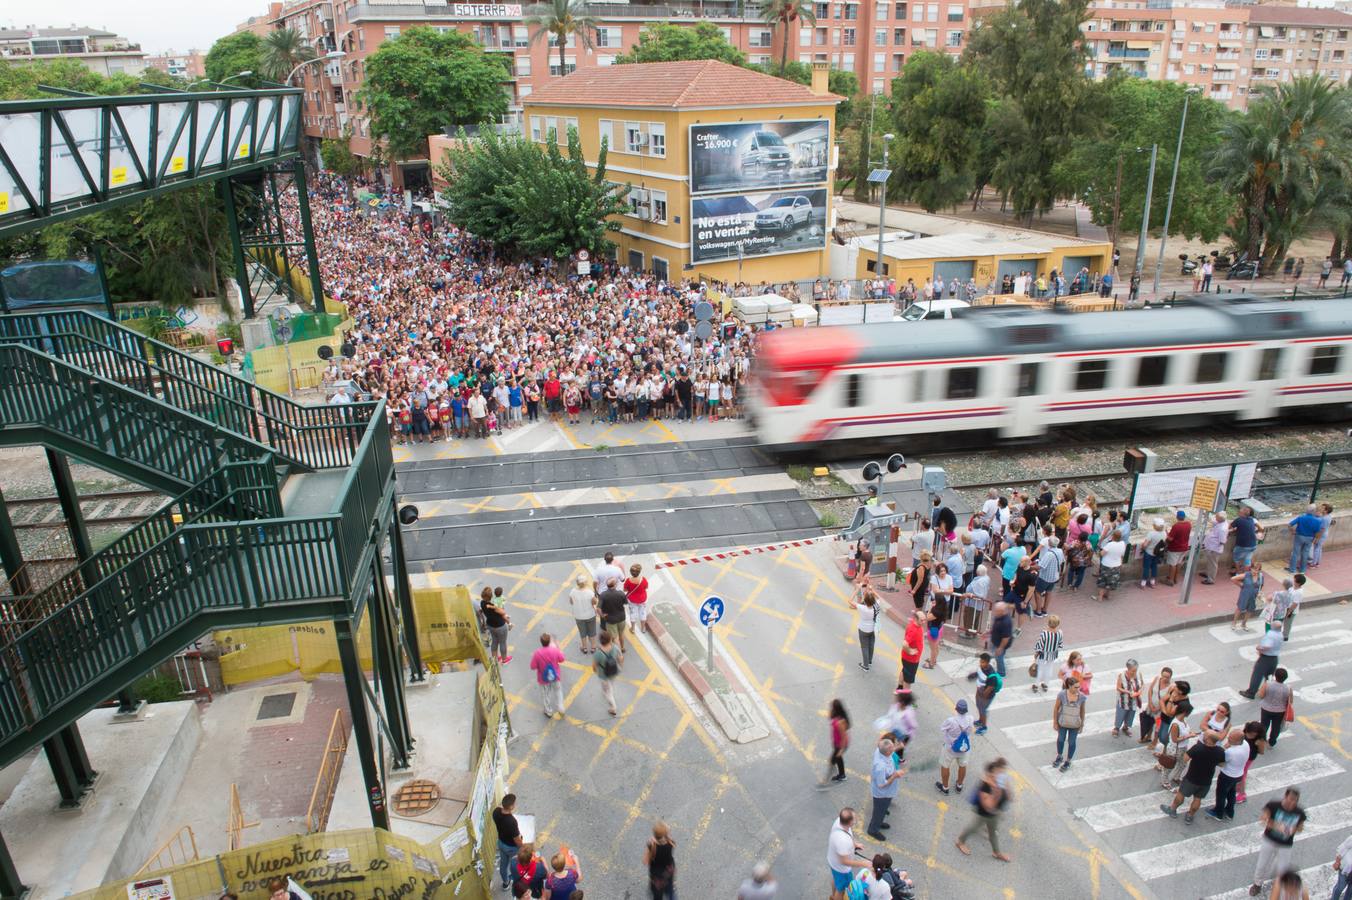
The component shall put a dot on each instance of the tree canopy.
(235, 53)
(782, 16)
(1142, 113)
(425, 81)
(667, 42)
(282, 50)
(561, 19)
(526, 197)
(938, 110)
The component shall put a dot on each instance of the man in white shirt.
(606, 571)
(1231, 773)
(840, 858)
(1213, 545)
(990, 506)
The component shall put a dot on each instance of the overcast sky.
(157, 25)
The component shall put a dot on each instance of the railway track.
(106, 508)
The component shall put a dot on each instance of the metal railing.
(314, 437)
(326, 783)
(235, 823)
(179, 849)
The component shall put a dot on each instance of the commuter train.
(1005, 373)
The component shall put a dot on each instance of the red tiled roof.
(1298, 15)
(705, 83)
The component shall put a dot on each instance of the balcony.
(1230, 36)
(689, 9)
(1126, 53)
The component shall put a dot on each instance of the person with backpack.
(1067, 720)
(1050, 562)
(606, 665)
(957, 743)
(547, 664)
(988, 684)
(988, 802)
(898, 884)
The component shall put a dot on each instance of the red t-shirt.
(915, 642)
(1178, 536)
(636, 591)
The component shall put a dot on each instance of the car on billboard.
(785, 214)
(765, 153)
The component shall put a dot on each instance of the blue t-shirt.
(1307, 524)
(1246, 532)
(1009, 561)
(514, 396)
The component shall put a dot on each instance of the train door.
(1027, 380)
(1267, 366)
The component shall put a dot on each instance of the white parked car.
(785, 214)
(933, 309)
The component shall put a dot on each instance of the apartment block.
(99, 51)
(873, 39)
(190, 65)
(1227, 51)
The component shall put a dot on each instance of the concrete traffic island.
(683, 642)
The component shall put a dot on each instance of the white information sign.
(1160, 489)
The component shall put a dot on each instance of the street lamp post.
(245, 74)
(327, 57)
(879, 177)
(1173, 181)
(1145, 213)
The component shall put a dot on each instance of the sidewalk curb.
(697, 683)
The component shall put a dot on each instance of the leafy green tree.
(561, 19)
(235, 53)
(1140, 113)
(1286, 161)
(1034, 55)
(666, 42)
(938, 111)
(282, 50)
(424, 81)
(338, 156)
(781, 16)
(528, 197)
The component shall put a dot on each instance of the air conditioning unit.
(644, 212)
(642, 140)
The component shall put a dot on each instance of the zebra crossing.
(1112, 787)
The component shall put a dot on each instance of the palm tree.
(780, 15)
(1283, 160)
(561, 18)
(282, 51)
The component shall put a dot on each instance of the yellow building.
(984, 258)
(729, 169)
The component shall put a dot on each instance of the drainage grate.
(416, 797)
(277, 706)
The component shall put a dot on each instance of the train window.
(1325, 359)
(964, 383)
(1028, 378)
(1091, 375)
(1153, 371)
(1269, 363)
(854, 389)
(1211, 367)
(918, 394)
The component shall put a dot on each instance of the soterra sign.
(487, 10)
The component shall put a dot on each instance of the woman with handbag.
(1174, 742)
(1067, 720)
(1075, 667)
(1128, 698)
(1250, 590)
(918, 580)
(1152, 704)
(1274, 705)
(1045, 652)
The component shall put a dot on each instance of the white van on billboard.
(742, 156)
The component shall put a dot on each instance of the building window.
(823, 10)
(918, 12)
(932, 12)
(849, 37)
(955, 13)
(1210, 367)
(657, 140)
(659, 206)
(1152, 371)
(848, 62)
(607, 130)
(851, 10)
(762, 37)
(1324, 360)
(954, 39)
(805, 37)
(898, 36)
(898, 60)
(880, 10)
(523, 65)
(880, 62)
(1091, 375)
(608, 37)
(521, 35)
(880, 37)
(963, 383)
(899, 12)
(633, 137)
(536, 134)
(391, 32)
(661, 269)
(820, 36)
(605, 60)
(569, 66)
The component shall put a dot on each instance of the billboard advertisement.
(758, 156)
(742, 225)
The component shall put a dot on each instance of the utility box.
(1139, 460)
(933, 480)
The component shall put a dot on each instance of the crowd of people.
(464, 342)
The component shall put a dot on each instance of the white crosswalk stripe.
(1146, 807)
(1041, 732)
(1318, 880)
(1093, 769)
(1220, 846)
(1322, 639)
(1014, 663)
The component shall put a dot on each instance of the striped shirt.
(1048, 645)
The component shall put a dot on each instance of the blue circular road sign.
(711, 611)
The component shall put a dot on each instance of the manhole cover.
(277, 706)
(416, 797)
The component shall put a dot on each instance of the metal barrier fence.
(326, 783)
